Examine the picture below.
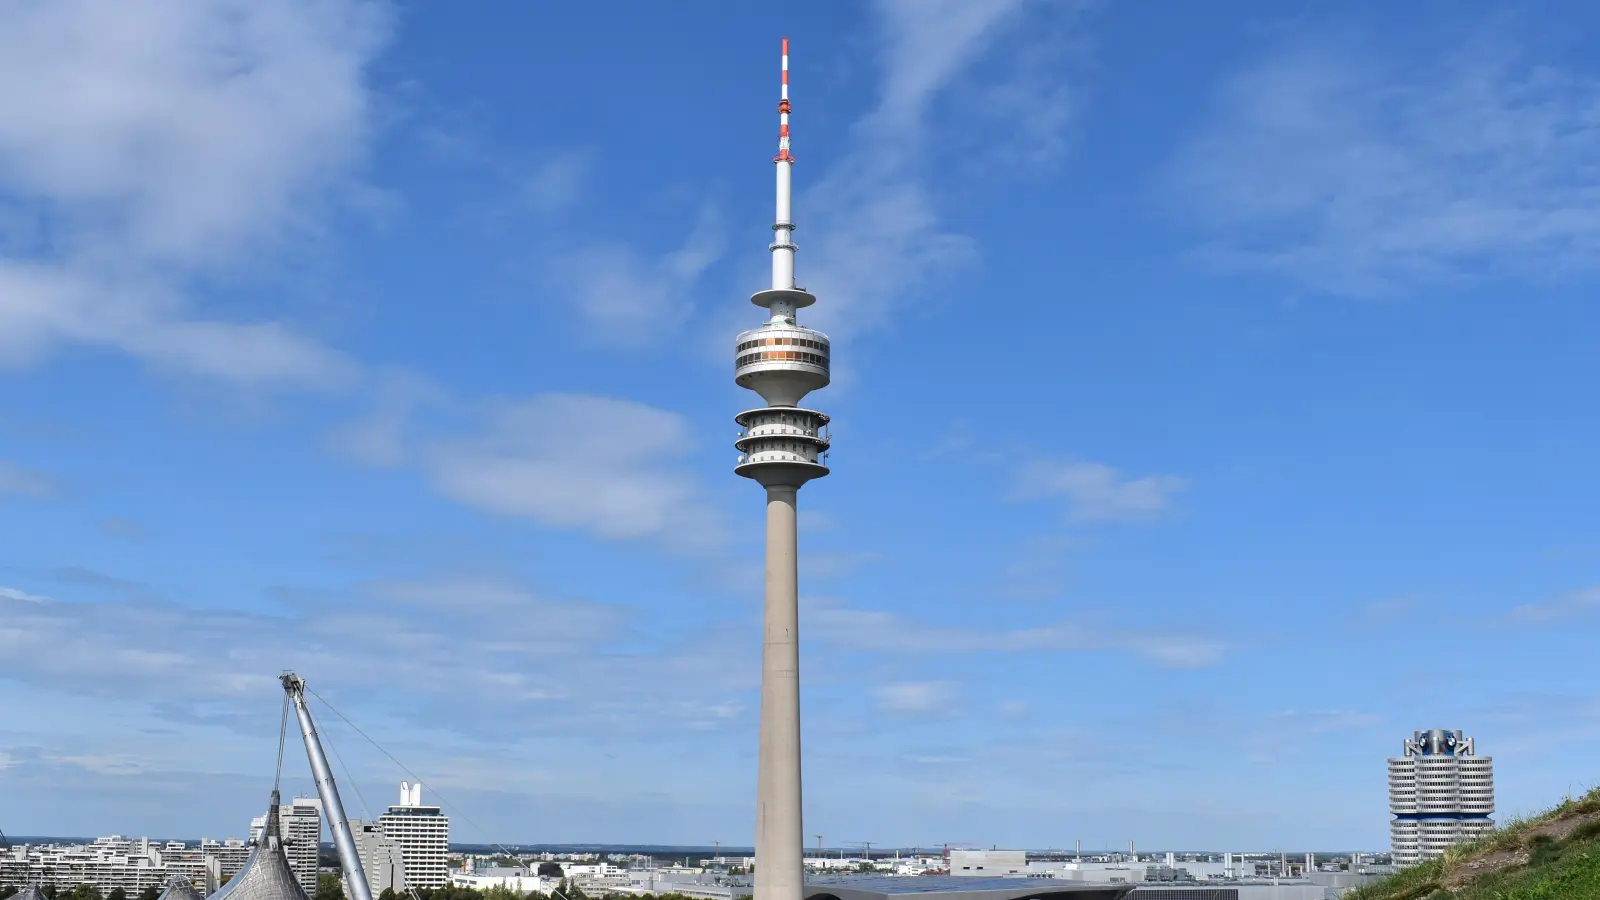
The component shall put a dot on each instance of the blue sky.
(1213, 407)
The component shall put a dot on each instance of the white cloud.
(914, 697)
(1332, 167)
(556, 184)
(107, 764)
(611, 467)
(482, 653)
(161, 141)
(384, 436)
(11, 593)
(877, 233)
(1097, 492)
(625, 299)
(1568, 606)
(25, 482)
(875, 631)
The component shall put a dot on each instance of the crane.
(294, 689)
(866, 848)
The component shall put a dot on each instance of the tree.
(388, 894)
(551, 870)
(329, 888)
(150, 893)
(8, 890)
(117, 894)
(501, 892)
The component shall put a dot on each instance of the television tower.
(781, 446)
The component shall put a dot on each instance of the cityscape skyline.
(389, 345)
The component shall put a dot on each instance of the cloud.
(1572, 605)
(482, 652)
(611, 467)
(626, 300)
(22, 482)
(555, 185)
(874, 631)
(878, 232)
(11, 593)
(161, 142)
(115, 764)
(1351, 174)
(914, 697)
(1096, 492)
(384, 438)
(121, 527)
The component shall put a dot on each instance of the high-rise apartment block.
(380, 856)
(1441, 793)
(300, 827)
(423, 833)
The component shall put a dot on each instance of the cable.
(283, 727)
(349, 779)
(453, 808)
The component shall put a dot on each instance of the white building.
(300, 826)
(988, 863)
(423, 833)
(132, 864)
(1441, 793)
(381, 858)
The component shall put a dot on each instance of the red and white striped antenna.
(783, 111)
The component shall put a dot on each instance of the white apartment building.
(300, 827)
(423, 833)
(1441, 793)
(380, 856)
(132, 864)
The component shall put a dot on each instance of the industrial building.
(1441, 793)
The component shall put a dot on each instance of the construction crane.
(294, 688)
(866, 848)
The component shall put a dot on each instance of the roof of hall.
(180, 888)
(29, 892)
(266, 876)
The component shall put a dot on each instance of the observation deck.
(782, 362)
(782, 444)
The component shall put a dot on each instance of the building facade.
(132, 864)
(423, 833)
(1441, 793)
(380, 856)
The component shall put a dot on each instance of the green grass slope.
(1552, 856)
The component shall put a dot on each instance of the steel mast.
(343, 841)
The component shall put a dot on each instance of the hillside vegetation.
(1552, 856)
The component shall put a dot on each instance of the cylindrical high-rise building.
(781, 446)
(1441, 793)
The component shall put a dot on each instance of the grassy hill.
(1552, 856)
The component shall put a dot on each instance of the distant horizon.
(493, 849)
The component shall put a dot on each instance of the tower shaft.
(780, 868)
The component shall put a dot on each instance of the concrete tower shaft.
(781, 446)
